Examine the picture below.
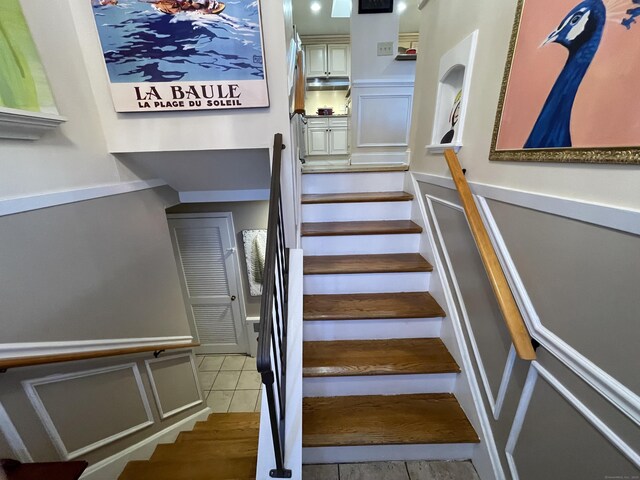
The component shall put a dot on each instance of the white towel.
(255, 244)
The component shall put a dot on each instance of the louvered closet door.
(205, 253)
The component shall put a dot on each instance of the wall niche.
(453, 94)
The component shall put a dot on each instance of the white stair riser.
(367, 283)
(353, 182)
(379, 453)
(378, 385)
(328, 330)
(361, 244)
(356, 212)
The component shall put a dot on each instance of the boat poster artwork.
(182, 54)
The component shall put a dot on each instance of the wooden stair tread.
(337, 264)
(356, 197)
(230, 469)
(377, 357)
(309, 169)
(224, 447)
(385, 420)
(371, 227)
(229, 434)
(371, 306)
(202, 450)
(223, 421)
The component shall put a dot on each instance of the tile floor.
(417, 470)
(230, 383)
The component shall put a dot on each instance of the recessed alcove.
(452, 97)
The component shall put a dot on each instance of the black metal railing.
(272, 337)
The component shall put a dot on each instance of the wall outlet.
(385, 48)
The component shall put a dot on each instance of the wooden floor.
(377, 357)
(371, 306)
(372, 227)
(345, 264)
(384, 420)
(356, 197)
(224, 447)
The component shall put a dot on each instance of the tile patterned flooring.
(417, 470)
(230, 383)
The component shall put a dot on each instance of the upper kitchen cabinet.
(328, 60)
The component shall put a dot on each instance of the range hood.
(328, 83)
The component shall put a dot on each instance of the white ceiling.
(321, 23)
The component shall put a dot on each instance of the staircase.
(224, 447)
(377, 377)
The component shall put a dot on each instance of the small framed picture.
(375, 6)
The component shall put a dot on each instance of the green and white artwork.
(23, 82)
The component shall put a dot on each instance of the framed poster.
(27, 108)
(375, 6)
(569, 83)
(182, 54)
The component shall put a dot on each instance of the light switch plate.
(385, 48)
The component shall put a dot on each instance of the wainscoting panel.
(555, 435)
(174, 380)
(576, 414)
(106, 404)
(384, 120)
(489, 338)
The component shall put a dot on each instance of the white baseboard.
(376, 453)
(379, 158)
(379, 385)
(111, 467)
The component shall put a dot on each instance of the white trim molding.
(495, 402)
(224, 196)
(536, 370)
(30, 387)
(25, 125)
(32, 349)
(482, 424)
(13, 205)
(618, 218)
(113, 466)
(164, 415)
(10, 433)
(610, 388)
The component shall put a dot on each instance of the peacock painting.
(580, 33)
(569, 76)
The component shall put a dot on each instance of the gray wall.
(581, 279)
(99, 269)
(246, 216)
(93, 270)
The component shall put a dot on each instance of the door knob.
(233, 297)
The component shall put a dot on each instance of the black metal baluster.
(272, 338)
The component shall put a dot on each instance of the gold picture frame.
(605, 154)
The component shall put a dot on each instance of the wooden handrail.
(508, 306)
(298, 105)
(15, 362)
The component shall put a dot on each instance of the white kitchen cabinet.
(338, 61)
(328, 136)
(338, 141)
(331, 60)
(316, 58)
